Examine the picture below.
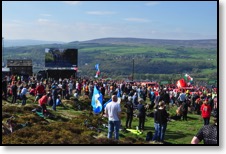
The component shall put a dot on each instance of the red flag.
(181, 83)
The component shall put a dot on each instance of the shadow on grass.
(174, 135)
(191, 118)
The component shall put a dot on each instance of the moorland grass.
(72, 126)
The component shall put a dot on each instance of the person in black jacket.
(184, 110)
(141, 115)
(162, 117)
(14, 92)
(166, 99)
(4, 87)
(129, 112)
(55, 92)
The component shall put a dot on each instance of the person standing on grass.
(162, 117)
(14, 92)
(206, 112)
(113, 112)
(182, 97)
(141, 115)
(184, 107)
(39, 91)
(4, 87)
(54, 96)
(155, 136)
(152, 96)
(129, 112)
(23, 93)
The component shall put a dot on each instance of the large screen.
(61, 57)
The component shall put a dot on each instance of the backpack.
(149, 136)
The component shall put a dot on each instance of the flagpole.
(2, 51)
(133, 70)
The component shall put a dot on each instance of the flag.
(181, 83)
(97, 67)
(188, 78)
(97, 74)
(105, 104)
(119, 96)
(97, 100)
(98, 71)
(110, 100)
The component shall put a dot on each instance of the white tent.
(5, 69)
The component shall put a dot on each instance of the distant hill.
(14, 43)
(203, 43)
(153, 57)
(117, 41)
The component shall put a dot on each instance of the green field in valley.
(151, 57)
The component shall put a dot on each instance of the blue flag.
(97, 101)
(119, 98)
(97, 67)
(107, 103)
(119, 94)
(98, 70)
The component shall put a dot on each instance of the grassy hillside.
(195, 57)
(68, 125)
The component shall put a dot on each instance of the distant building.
(20, 66)
(5, 72)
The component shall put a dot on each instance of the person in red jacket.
(42, 102)
(39, 91)
(206, 112)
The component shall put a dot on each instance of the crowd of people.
(201, 100)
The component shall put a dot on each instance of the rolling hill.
(153, 59)
(157, 42)
(18, 43)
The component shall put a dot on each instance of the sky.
(86, 20)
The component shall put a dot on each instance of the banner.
(97, 101)
(110, 100)
(98, 71)
(181, 83)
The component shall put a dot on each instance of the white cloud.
(46, 15)
(152, 3)
(43, 21)
(100, 12)
(16, 21)
(72, 2)
(11, 25)
(43, 29)
(137, 20)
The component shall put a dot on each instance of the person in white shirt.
(113, 112)
(23, 93)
